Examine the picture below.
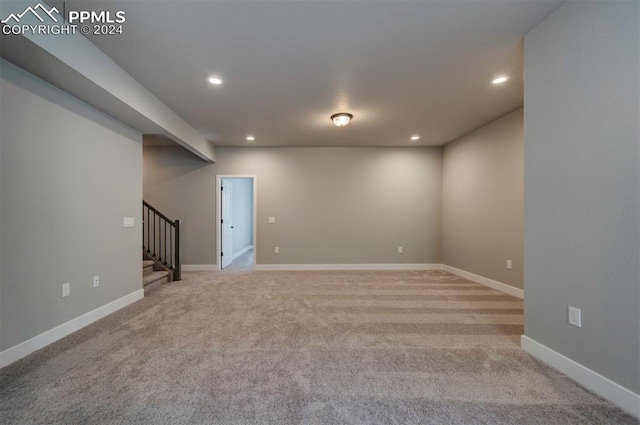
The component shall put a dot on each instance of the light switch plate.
(66, 290)
(96, 281)
(128, 222)
(575, 316)
(272, 220)
(509, 266)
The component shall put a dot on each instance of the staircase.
(160, 248)
(153, 275)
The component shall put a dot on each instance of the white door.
(227, 223)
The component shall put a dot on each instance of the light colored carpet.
(301, 348)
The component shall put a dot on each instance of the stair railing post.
(177, 271)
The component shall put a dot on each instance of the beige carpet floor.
(301, 348)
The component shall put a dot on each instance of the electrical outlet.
(575, 316)
(400, 250)
(277, 250)
(509, 264)
(272, 220)
(128, 222)
(66, 290)
(96, 281)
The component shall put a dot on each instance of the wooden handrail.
(161, 239)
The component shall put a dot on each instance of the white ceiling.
(400, 67)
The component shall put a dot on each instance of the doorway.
(236, 222)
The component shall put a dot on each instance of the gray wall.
(242, 213)
(482, 201)
(582, 213)
(332, 205)
(1, 232)
(69, 176)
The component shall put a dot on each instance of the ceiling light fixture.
(500, 79)
(415, 137)
(341, 119)
(251, 138)
(215, 80)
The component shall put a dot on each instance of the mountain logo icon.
(34, 11)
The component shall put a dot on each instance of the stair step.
(157, 277)
(147, 267)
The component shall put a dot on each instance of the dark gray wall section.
(332, 205)
(69, 176)
(582, 213)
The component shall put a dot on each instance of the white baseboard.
(348, 267)
(493, 284)
(597, 383)
(242, 251)
(23, 349)
(199, 267)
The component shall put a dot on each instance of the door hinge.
(222, 188)
(221, 221)
(222, 254)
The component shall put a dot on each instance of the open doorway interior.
(236, 223)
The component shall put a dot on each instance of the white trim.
(25, 348)
(242, 251)
(348, 267)
(200, 267)
(626, 399)
(493, 284)
(218, 213)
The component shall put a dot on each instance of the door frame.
(219, 178)
(226, 229)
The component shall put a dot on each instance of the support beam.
(72, 63)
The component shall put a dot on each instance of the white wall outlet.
(400, 250)
(575, 316)
(66, 290)
(96, 281)
(277, 250)
(128, 222)
(272, 220)
(509, 264)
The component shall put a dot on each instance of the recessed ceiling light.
(215, 80)
(341, 119)
(500, 79)
(416, 137)
(251, 138)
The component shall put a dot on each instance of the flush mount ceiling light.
(341, 119)
(500, 79)
(214, 79)
(416, 137)
(251, 138)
